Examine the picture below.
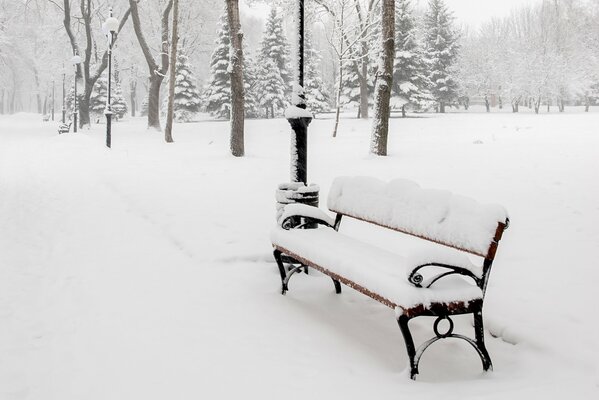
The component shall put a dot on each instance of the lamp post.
(76, 60)
(53, 92)
(299, 118)
(109, 28)
(64, 111)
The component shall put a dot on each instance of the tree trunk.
(500, 102)
(236, 142)
(403, 111)
(339, 86)
(156, 73)
(442, 107)
(363, 77)
(168, 132)
(133, 88)
(487, 105)
(587, 103)
(537, 104)
(384, 81)
(154, 101)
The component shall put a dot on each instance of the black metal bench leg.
(282, 271)
(407, 337)
(479, 332)
(337, 286)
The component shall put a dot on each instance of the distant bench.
(429, 283)
(64, 127)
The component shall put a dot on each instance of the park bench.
(64, 127)
(440, 282)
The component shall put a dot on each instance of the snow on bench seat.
(377, 270)
(403, 205)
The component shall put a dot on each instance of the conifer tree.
(250, 81)
(218, 90)
(119, 105)
(271, 96)
(410, 83)
(187, 100)
(274, 47)
(317, 100)
(441, 49)
(97, 103)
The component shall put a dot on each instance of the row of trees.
(541, 54)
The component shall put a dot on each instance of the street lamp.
(64, 111)
(76, 60)
(53, 92)
(299, 118)
(109, 28)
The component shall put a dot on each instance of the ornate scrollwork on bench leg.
(287, 273)
(415, 354)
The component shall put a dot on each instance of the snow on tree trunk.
(237, 87)
(384, 81)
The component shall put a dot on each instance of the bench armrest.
(418, 280)
(308, 214)
(439, 263)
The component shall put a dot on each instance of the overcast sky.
(471, 12)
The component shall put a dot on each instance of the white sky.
(471, 12)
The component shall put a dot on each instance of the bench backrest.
(435, 215)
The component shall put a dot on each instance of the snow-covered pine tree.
(97, 103)
(275, 47)
(218, 91)
(441, 49)
(317, 100)
(187, 100)
(250, 82)
(410, 83)
(271, 96)
(117, 99)
(98, 99)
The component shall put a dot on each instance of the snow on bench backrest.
(435, 215)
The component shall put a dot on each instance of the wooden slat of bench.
(489, 255)
(454, 307)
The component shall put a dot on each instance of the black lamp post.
(109, 27)
(64, 111)
(76, 61)
(53, 92)
(299, 118)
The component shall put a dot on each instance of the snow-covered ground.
(145, 271)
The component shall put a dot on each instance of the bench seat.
(382, 273)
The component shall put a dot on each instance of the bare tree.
(384, 81)
(168, 132)
(237, 89)
(157, 73)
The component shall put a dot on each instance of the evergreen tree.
(218, 91)
(441, 52)
(99, 97)
(250, 81)
(274, 47)
(317, 100)
(271, 96)
(97, 103)
(410, 83)
(187, 100)
(118, 103)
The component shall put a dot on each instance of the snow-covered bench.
(439, 282)
(64, 127)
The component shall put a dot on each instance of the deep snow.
(145, 271)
